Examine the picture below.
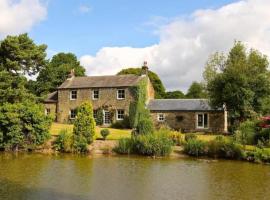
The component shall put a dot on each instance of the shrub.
(177, 138)
(80, 144)
(263, 136)
(23, 125)
(259, 155)
(124, 124)
(84, 124)
(99, 119)
(155, 144)
(104, 133)
(189, 136)
(246, 133)
(221, 148)
(145, 126)
(194, 147)
(124, 146)
(63, 142)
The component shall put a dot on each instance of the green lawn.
(115, 134)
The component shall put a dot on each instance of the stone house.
(113, 95)
(188, 115)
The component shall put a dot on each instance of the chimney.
(71, 74)
(144, 69)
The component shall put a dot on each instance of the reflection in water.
(35, 176)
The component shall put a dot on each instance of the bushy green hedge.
(64, 141)
(23, 125)
(246, 132)
(194, 147)
(155, 144)
(123, 124)
(259, 155)
(217, 148)
(189, 136)
(84, 127)
(104, 133)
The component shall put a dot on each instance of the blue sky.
(83, 26)
(176, 37)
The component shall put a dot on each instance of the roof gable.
(101, 81)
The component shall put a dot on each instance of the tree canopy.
(56, 72)
(196, 91)
(242, 83)
(177, 94)
(155, 80)
(20, 55)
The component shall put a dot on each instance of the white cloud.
(186, 43)
(20, 15)
(84, 9)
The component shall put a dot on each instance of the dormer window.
(121, 94)
(95, 94)
(73, 94)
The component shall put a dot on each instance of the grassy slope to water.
(115, 134)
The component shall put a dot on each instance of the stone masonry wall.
(107, 99)
(52, 107)
(186, 121)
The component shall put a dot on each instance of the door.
(107, 117)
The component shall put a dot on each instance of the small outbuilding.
(188, 115)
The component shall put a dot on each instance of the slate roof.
(180, 105)
(101, 81)
(51, 98)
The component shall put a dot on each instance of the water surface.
(36, 176)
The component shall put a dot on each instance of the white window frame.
(46, 111)
(70, 113)
(117, 95)
(197, 120)
(159, 117)
(93, 94)
(117, 115)
(70, 94)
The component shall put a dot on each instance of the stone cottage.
(113, 94)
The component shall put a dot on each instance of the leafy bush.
(99, 119)
(23, 125)
(259, 155)
(124, 124)
(145, 126)
(263, 136)
(222, 148)
(80, 144)
(194, 147)
(246, 133)
(155, 144)
(63, 142)
(84, 124)
(104, 133)
(177, 138)
(124, 146)
(189, 136)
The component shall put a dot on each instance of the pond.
(37, 176)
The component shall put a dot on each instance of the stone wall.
(107, 99)
(187, 121)
(150, 91)
(52, 107)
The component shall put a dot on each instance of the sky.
(175, 37)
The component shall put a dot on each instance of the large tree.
(242, 83)
(56, 72)
(155, 80)
(20, 55)
(196, 91)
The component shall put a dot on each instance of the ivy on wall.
(137, 109)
